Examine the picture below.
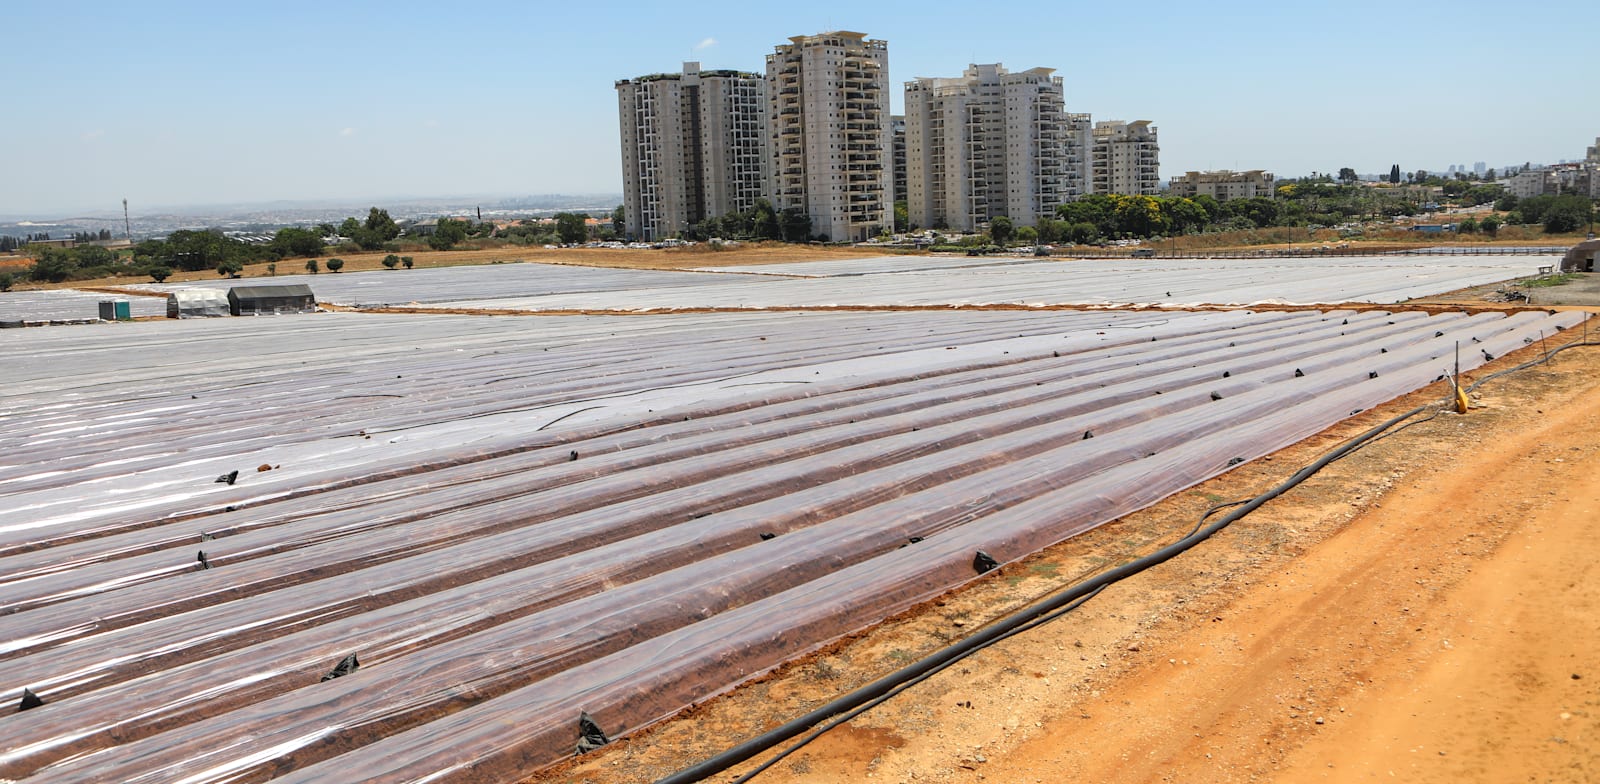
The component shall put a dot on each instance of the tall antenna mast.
(127, 230)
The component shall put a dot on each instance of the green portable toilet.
(124, 311)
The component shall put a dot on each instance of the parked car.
(1144, 253)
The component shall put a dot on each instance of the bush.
(272, 269)
(1467, 226)
(229, 268)
(391, 261)
(311, 266)
(7, 280)
(159, 274)
(334, 265)
(1490, 225)
(406, 261)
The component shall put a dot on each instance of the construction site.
(911, 518)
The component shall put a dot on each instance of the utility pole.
(127, 231)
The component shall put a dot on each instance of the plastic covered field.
(925, 281)
(510, 521)
(464, 284)
(921, 281)
(69, 305)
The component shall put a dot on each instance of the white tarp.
(197, 303)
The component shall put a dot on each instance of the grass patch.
(1560, 279)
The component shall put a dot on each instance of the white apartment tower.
(693, 147)
(1126, 159)
(828, 105)
(987, 144)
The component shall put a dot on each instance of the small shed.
(270, 300)
(198, 303)
(1581, 257)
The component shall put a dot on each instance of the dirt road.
(1425, 610)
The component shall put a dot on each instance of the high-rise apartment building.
(987, 144)
(828, 105)
(897, 156)
(1126, 158)
(1594, 152)
(693, 147)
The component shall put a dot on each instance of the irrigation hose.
(849, 705)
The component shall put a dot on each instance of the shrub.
(159, 274)
(334, 265)
(7, 280)
(391, 261)
(406, 260)
(311, 266)
(229, 268)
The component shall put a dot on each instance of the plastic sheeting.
(896, 281)
(66, 304)
(467, 283)
(923, 281)
(511, 567)
(198, 303)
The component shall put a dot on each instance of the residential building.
(990, 143)
(1125, 158)
(830, 149)
(1080, 155)
(1532, 182)
(1582, 179)
(1224, 185)
(693, 147)
(897, 147)
(1594, 152)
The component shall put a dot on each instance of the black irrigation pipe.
(875, 692)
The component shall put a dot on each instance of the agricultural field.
(424, 545)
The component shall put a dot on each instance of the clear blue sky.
(176, 103)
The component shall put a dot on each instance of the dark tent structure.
(271, 300)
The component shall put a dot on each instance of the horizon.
(177, 106)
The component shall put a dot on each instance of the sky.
(194, 103)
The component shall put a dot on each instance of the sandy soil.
(1425, 610)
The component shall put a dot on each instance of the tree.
(229, 268)
(1567, 214)
(292, 241)
(334, 265)
(764, 221)
(1001, 229)
(902, 216)
(1394, 174)
(350, 228)
(1347, 175)
(447, 234)
(406, 261)
(391, 261)
(52, 265)
(7, 280)
(1490, 225)
(381, 225)
(619, 220)
(311, 266)
(794, 225)
(1467, 226)
(159, 273)
(572, 227)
